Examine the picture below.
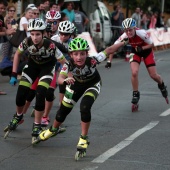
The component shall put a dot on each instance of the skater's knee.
(62, 113)
(154, 76)
(85, 108)
(50, 95)
(40, 98)
(31, 95)
(62, 88)
(135, 73)
(21, 95)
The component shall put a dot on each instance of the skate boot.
(81, 147)
(48, 133)
(36, 130)
(108, 64)
(135, 100)
(13, 124)
(44, 122)
(164, 91)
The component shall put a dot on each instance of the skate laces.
(16, 119)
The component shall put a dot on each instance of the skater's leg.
(134, 77)
(156, 77)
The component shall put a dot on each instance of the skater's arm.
(109, 50)
(113, 48)
(16, 61)
(64, 79)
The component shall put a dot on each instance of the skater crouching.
(85, 82)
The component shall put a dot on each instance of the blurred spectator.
(168, 22)
(153, 20)
(63, 17)
(35, 12)
(160, 22)
(81, 19)
(137, 17)
(144, 21)
(69, 11)
(61, 4)
(41, 8)
(4, 31)
(46, 5)
(10, 22)
(28, 14)
(54, 6)
(116, 19)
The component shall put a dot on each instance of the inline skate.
(108, 64)
(135, 100)
(164, 91)
(48, 133)
(36, 130)
(13, 124)
(81, 147)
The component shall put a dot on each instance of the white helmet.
(128, 23)
(36, 25)
(53, 14)
(66, 27)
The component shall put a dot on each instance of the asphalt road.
(119, 139)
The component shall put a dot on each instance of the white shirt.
(23, 21)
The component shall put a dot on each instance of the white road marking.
(112, 151)
(165, 113)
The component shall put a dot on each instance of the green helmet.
(78, 44)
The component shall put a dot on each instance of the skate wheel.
(134, 107)
(35, 140)
(6, 129)
(33, 113)
(77, 155)
(6, 134)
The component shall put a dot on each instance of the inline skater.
(141, 49)
(85, 82)
(65, 31)
(42, 59)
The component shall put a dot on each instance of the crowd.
(51, 46)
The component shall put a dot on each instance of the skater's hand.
(69, 80)
(13, 79)
(138, 49)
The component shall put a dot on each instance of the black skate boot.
(13, 124)
(164, 91)
(108, 64)
(36, 130)
(135, 100)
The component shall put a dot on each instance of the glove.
(13, 79)
(138, 49)
(125, 40)
(101, 56)
(69, 80)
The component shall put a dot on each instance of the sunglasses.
(36, 13)
(11, 10)
(54, 22)
(64, 34)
